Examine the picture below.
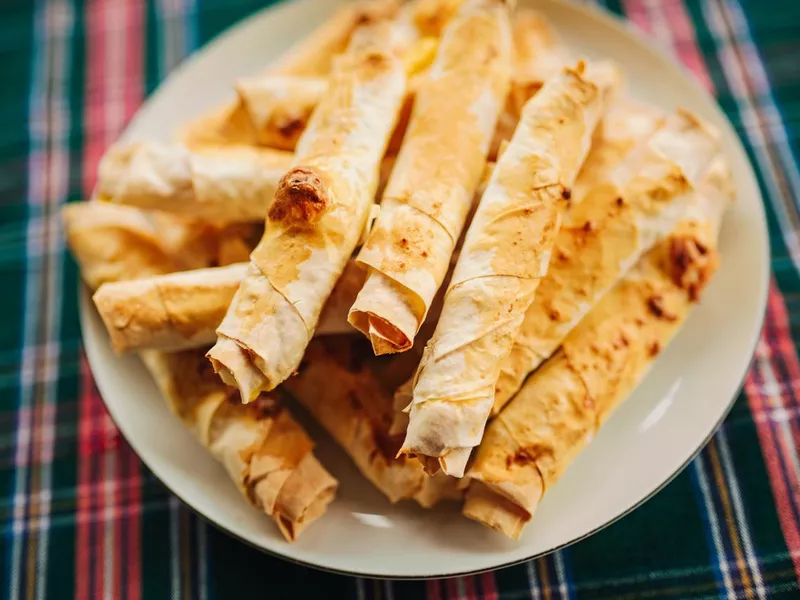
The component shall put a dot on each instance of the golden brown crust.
(435, 177)
(349, 392)
(294, 268)
(506, 252)
(558, 411)
(268, 455)
(220, 184)
(168, 312)
(112, 243)
(637, 204)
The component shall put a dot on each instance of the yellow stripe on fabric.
(730, 520)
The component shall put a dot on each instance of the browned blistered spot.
(653, 349)
(266, 407)
(619, 201)
(302, 197)
(566, 193)
(522, 457)
(291, 127)
(554, 315)
(424, 254)
(656, 305)
(589, 226)
(561, 255)
(639, 321)
(404, 242)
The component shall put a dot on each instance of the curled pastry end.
(302, 198)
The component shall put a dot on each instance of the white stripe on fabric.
(716, 533)
(202, 559)
(734, 74)
(533, 580)
(61, 19)
(742, 524)
(564, 585)
(174, 549)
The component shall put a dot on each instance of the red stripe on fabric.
(134, 533)
(470, 587)
(115, 58)
(433, 589)
(636, 13)
(685, 41)
(451, 585)
(134, 95)
(681, 33)
(782, 475)
(83, 547)
(489, 586)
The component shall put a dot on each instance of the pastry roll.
(538, 55)
(267, 454)
(111, 243)
(506, 252)
(624, 126)
(273, 108)
(183, 310)
(639, 203)
(314, 55)
(348, 392)
(437, 171)
(279, 107)
(315, 220)
(560, 408)
(221, 184)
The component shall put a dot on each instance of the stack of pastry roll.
(619, 219)
(316, 218)
(349, 392)
(267, 453)
(273, 108)
(562, 405)
(506, 252)
(177, 311)
(435, 176)
(531, 293)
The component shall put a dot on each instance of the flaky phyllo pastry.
(268, 455)
(539, 240)
(435, 176)
(221, 184)
(349, 393)
(620, 218)
(505, 254)
(265, 451)
(562, 405)
(182, 310)
(315, 219)
(112, 243)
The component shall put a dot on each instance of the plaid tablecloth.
(82, 517)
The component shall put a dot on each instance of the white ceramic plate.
(650, 438)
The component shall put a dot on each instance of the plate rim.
(621, 26)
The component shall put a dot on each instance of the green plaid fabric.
(82, 517)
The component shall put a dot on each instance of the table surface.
(81, 516)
